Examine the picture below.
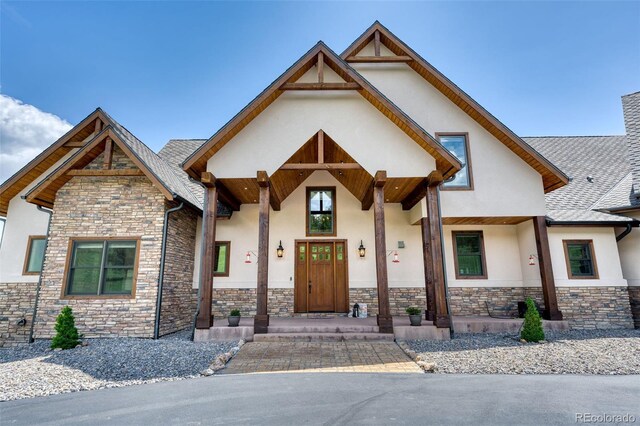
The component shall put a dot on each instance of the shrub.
(234, 313)
(67, 336)
(412, 310)
(532, 328)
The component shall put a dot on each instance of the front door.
(321, 276)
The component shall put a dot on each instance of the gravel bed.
(34, 370)
(569, 352)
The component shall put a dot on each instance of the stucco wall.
(629, 249)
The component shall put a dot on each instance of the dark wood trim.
(108, 154)
(321, 166)
(320, 146)
(261, 319)
(551, 311)
(430, 311)
(467, 147)
(227, 197)
(320, 86)
(414, 197)
(67, 269)
(105, 172)
(367, 199)
(385, 323)
(376, 43)
(227, 260)
(442, 318)
(483, 255)
(320, 67)
(204, 319)
(379, 59)
(28, 255)
(334, 192)
(570, 275)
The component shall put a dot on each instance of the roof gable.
(552, 177)
(445, 161)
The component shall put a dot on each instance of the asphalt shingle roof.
(631, 111)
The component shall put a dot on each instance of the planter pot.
(416, 320)
(233, 321)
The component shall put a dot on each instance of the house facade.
(366, 177)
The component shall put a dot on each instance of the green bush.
(412, 310)
(532, 328)
(67, 336)
(234, 313)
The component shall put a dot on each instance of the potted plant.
(415, 315)
(234, 318)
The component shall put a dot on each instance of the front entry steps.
(327, 329)
(323, 337)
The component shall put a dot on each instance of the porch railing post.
(261, 320)
(207, 267)
(385, 322)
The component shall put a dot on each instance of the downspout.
(624, 233)
(165, 229)
(444, 267)
(195, 315)
(39, 285)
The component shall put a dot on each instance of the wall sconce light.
(247, 258)
(361, 250)
(395, 255)
(280, 250)
(532, 259)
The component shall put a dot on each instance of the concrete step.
(327, 328)
(323, 337)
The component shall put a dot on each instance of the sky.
(182, 69)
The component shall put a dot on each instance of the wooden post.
(320, 66)
(551, 311)
(442, 319)
(108, 154)
(385, 322)
(207, 267)
(261, 320)
(430, 312)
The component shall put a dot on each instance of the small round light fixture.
(361, 250)
(280, 250)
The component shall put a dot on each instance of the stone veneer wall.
(634, 300)
(595, 307)
(16, 302)
(178, 303)
(472, 301)
(279, 302)
(100, 207)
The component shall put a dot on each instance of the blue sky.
(182, 69)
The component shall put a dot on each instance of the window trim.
(570, 275)
(25, 266)
(483, 256)
(224, 274)
(67, 269)
(469, 187)
(335, 210)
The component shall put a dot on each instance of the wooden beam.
(107, 172)
(414, 197)
(376, 43)
(98, 126)
(434, 178)
(261, 319)
(430, 312)
(323, 166)
(320, 86)
(108, 154)
(442, 319)
(320, 146)
(551, 311)
(320, 67)
(204, 319)
(379, 59)
(367, 199)
(208, 179)
(227, 197)
(385, 323)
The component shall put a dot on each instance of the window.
(581, 262)
(321, 211)
(222, 259)
(468, 247)
(457, 144)
(102, 267)
(35, 255)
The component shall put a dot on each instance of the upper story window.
(102, 268)
(321, 211)
(468, 248)
(35, 255)
(458, 145)
(581, 261)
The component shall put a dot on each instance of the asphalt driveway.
(342, 398)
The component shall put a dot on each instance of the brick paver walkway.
(359, 357)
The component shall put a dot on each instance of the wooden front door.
(321, 276)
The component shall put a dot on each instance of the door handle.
(309, 286)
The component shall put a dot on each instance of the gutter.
(632, 223)
(39, 285)
(165, 229)
(624, 233)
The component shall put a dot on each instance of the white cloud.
(25, 131)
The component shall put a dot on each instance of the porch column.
(261, 320)
(551, 311)
(442, 319)
(385, 323)
(430, 312)
(207, 267)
